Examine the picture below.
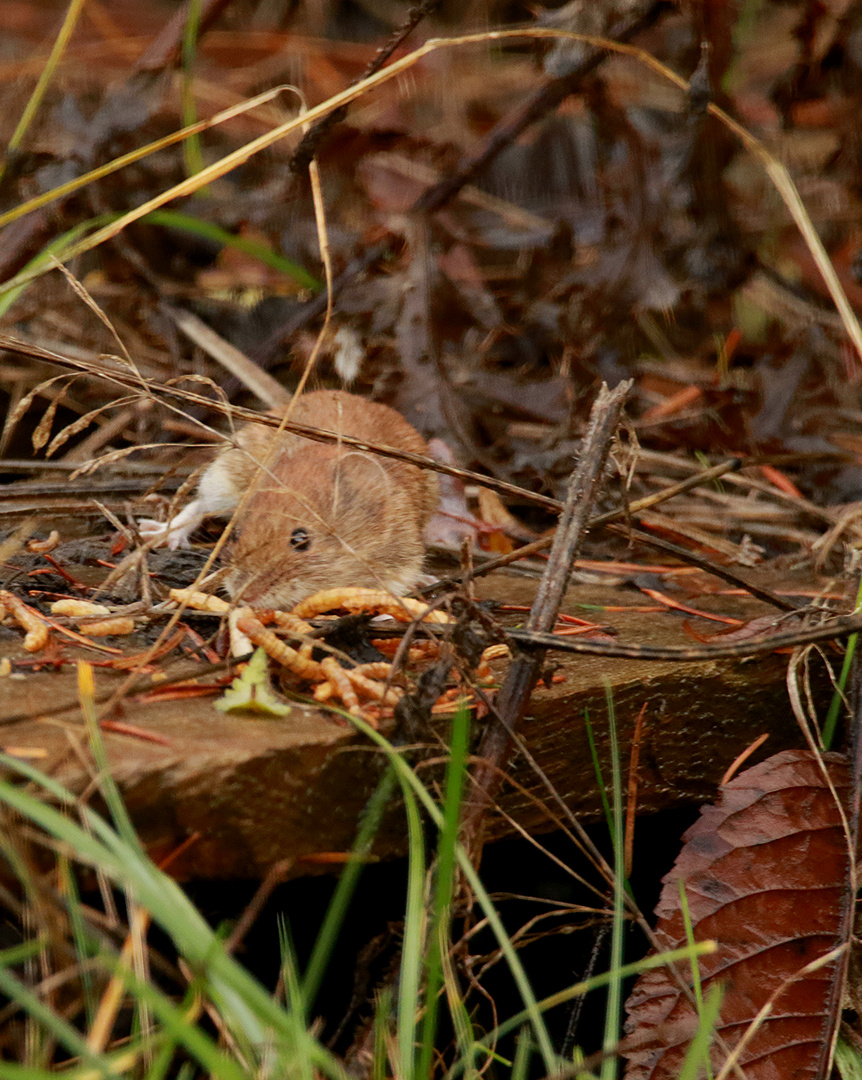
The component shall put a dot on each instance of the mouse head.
(323, 518)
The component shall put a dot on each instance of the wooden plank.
(254, 791)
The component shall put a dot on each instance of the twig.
(629, 511)
(497, 743)
(169, 394)
(838, 628)
(632, 511)
(690, 557)
(547, 97)
(310, 143)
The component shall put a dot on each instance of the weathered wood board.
(251, 791)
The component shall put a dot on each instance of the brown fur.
(363, 514)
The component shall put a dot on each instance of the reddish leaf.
(766, 876)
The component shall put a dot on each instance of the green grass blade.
(168, 219)
(695, 967)
(444, 883)
(207, 230)
(64, 1033)
(697, 1056)
(19, 954)
(85, 943)
(303, 1064)
(561, 997)
(337, 911)
(689, 937)
(163, 1059)
(414, 934)
(177, 1025)
(55, 249)
(465, 1036)
(523, 1053)
(382, 1011)
(613, 1013)
(46, 75)
(600, 780)
(13, 1070)
(107, 786)
(839, 693)
(192, 146)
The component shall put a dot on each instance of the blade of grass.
(175, 1022)
(129, 1059)
(116, 807)
(60, 247)
(414, 933)
(337, 911)
(382, 1010)
(55, 249)
(163, 1058)
(697, 1056)
(85, 942)
(597, 767)
(13, 1070)
(43, 82)
(209, 231)
(18, 954)
(523, 1053)
(456, 769)
(64, 1033)
(674, 956)
(613, 1012)
(71, 186)
(293, 996)
(697, 989)
(465, 1037)
(839, 693)
(192, 146)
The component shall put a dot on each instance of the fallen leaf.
(765, 872)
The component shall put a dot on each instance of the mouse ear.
(360, 476)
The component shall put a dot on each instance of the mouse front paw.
(161, 533)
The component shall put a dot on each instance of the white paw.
(163, 532)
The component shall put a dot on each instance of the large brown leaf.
(766, 877)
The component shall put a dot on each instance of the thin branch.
(497, 744)
(837, 628)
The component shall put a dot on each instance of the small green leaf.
(251, 692)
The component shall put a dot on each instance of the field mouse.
(322, 515)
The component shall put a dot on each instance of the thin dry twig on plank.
(843, 626)
(692, 559)
(496, 746)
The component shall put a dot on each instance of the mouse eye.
(300, 540)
